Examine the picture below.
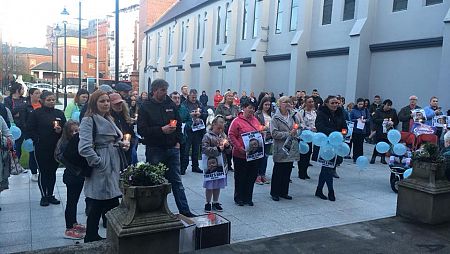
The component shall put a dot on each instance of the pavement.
(362, 195)
(389, 235)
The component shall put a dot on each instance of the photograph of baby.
(198, 124)
(418, 115)
(440, 121)
(254, 145)
(213, 168)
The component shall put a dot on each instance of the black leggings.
(245, 173)
(47, 167)
(97, 207)
(73, 195)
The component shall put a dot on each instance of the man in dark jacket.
(317, 99)
(204, 99)
(386, 116)
(194, 116)
(405, 116)
(160, 126)
(330, 118)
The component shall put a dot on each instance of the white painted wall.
(327, 74)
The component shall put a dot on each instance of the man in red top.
(217, 98)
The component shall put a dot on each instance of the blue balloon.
(336, 138)
(76, 116)
(362, 162)
(307, 136)
(399, 149)
(327, 152)
(407, 173)
(394, 136)
(15, 132)
(320, 139)
(28, 145)
(342, 149)
(382, 147)
(303, 147)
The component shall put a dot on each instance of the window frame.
(433, 3)
(198, 30)
(396, 3)
(349, 4)
(327, 4)
(256, 18)
(279, 17)
(294, 6)
(226, 31)
(245, 12)
(218, 24)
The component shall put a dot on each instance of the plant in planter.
(428, 163)
(143, 220)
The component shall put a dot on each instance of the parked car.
(42, 86)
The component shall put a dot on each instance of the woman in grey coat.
(283, 128)
(5, 135)
(104, 155)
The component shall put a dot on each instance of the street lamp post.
(51, 39)
(65, 13)
(116, 67)
(79, 46)
(57, 31)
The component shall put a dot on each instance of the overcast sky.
(24, 22)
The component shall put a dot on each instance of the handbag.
(72, 155)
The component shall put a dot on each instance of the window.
(227, 23)
(218, 26)
(432, 2)
(158, 45)
(204, 30)
(245, 20)
(183, 35)
(198, 31)
(170, 41)
(327, 12)
(349, 10)
(279, 20)
(400, 5)
(294, 15)
(256, 18)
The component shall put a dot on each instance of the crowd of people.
(234, 134)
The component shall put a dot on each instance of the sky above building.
(24, 22)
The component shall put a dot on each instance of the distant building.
(103, 45)
(355, 48)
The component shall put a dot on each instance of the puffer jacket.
(210, 146)
(328, 122)
(280, 130)
(239, 126)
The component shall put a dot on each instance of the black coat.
(204, 99)
(17, 108)
(328, 122)
(378, 119)
(154, 115)
(40, 127)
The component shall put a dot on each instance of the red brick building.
(103, 48)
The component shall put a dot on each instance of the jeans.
(133, 148)
(73, 195)
(303, 163)
(171, 158)
(326, 176)
(32, 164)
(358, 142)
(193, 143)
(263, 165)
(280, 179)
(97, 207)
(245, 173)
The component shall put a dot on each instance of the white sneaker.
(34, 177)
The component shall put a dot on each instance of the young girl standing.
(215, 144)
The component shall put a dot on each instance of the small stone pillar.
(425, 195)
(143, 222)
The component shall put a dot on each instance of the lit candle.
(267, 124)
(224, 142)
(136, 116)
(295, 126)
(344, 131)
(261, 127)
(127, 137)
(55, 123)
(173, 123)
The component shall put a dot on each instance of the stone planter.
(143, 221)
(425, 195)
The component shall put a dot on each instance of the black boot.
(372, 161)
(319, 194)
(331, 196)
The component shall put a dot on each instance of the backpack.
(72, 155)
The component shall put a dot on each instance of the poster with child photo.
(418, 115)
(212, 168)
(440, 121)
(254, 145)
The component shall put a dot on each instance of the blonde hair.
(225, 96)
(284, 99)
